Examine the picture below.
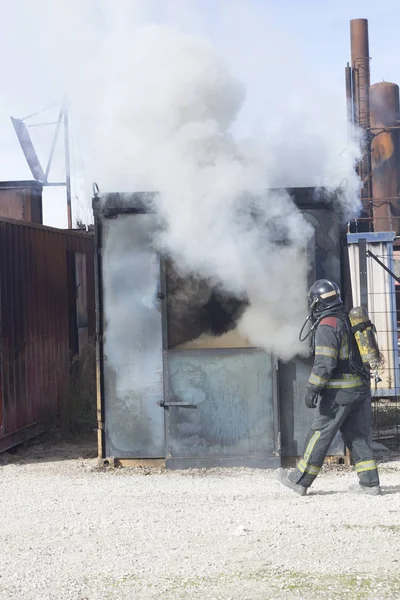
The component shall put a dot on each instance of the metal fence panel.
(379, 290)
(381, 298)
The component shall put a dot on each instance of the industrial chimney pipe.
(360, 81)
(360, 70)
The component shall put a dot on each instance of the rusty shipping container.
(46, 313)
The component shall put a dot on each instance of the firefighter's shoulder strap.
(364, 333)
(360, 327)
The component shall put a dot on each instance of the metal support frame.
(32, 158)
(67, 161)
(376, 259)
(99, 325)
(54, 143)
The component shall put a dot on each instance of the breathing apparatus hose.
(313, 327)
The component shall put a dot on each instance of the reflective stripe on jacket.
(331, 367)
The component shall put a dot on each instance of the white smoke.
(177, 126)
(162, 111)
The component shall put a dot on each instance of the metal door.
(132, 339)
(221, 409)
(324, 262)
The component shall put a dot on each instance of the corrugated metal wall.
(381, 304)
(38, 304)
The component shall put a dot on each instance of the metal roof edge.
(372, 238)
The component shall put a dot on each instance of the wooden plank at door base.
(155, 463)
(292, 461)
(338, 460)
(151, 463)
(159, 463)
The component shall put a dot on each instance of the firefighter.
(341, 384)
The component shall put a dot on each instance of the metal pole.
(349, 101)
(376, 259)
(53, 144)
(362, 256)
(67, 161)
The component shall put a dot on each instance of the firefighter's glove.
(311, 398)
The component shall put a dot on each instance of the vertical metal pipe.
(385, 154)
(98, 284)
(53, 144)
(349, 101)
(67, 161)
(362, 256)
(360, 88)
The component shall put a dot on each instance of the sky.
(48, 48)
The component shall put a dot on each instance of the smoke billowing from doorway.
(166, 114)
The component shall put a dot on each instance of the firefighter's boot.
(283, 477)
(356, 488)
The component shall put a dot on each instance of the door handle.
(179, 404)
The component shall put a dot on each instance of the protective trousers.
(338, 412)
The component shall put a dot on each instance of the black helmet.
(323, 294)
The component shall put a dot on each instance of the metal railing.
(386, 393)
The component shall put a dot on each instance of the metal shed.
(163, 397)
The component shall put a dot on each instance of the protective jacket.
(332, 346)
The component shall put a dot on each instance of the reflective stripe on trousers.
(365, 465)
(332, 416)
(303, 465)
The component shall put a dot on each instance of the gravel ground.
(72, 532)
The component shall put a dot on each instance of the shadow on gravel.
(390, 489)
(386, 490)
(52, 448)
(323, 493)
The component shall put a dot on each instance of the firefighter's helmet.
(323, 294)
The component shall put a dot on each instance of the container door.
(132, 339)
(221, 409)
(220, 391)
(295, 417)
